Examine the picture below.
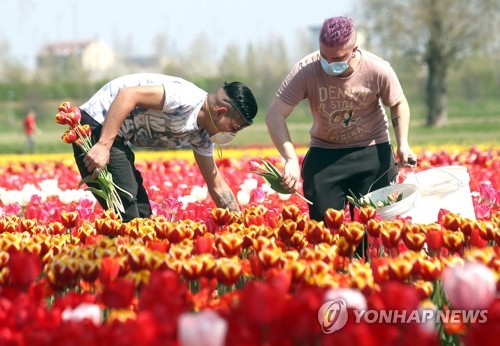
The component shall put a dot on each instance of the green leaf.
(400, 198)
(86, 180)
(273, 168)
(98, 192)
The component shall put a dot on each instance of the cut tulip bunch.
(273, 177)
(80, 135)
(364, 201)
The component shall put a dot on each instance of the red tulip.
(453, 240)
(413, 237)
(228, 270)
(110, 269)
(118, 294)
(270, 307)
(344, 247)
(451, 221)
(366, 214)
(334, 219)
(316, 232)
(395, 296)
(353, 233)
(28, 224)
(427, 269)
(487, 230)
(192, 268)
(221, 216)
(391, 235)
(203, 244)
(24, 268)
(66, 107)
(476, 240)
(434, 237)
(486, 333)
(68, 115)
(290, 212)
(286, 228)
(229, 244)
(374, 227)
(69, 219)
(399, 269)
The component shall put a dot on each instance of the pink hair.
(336, 31)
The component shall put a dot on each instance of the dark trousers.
(329, 174)
(121, 165)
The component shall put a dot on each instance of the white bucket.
(445, 187)
(401, 208)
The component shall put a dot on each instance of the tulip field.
(72, 273)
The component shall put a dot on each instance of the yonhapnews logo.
(333, 316)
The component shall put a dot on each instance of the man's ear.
(221, 110)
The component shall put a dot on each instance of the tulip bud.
(69, 219)
(391, 235)
(334, 218)
(69, 137)
(453, 240)
(374, 227)
(434, 237)
(228, 270)
(290, 211)
(366, 214)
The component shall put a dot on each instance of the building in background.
(92, 57)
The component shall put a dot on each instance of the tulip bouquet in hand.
(274, 177)
(80, 135)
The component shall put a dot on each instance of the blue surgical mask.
(334, 68)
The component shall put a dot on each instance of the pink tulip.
(83, 311)
(353, 297)
(469, 287)
(204, 328)
(488, 193)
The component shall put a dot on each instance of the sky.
(26, 25)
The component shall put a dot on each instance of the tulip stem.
(305, 199)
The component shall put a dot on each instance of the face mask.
(334, 68)
(222, 138)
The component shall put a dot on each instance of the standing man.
(153, 110)
(350, 145)
(30, 130)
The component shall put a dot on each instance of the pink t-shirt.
(347, 112)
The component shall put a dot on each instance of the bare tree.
(438, 33)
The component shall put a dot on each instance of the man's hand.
(96, 159)
(406, 156)
(291, 176)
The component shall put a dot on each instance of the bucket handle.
(460, 183)
(387, 171)
(416, 178)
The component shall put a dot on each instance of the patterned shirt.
(347, 111)
(172, 127)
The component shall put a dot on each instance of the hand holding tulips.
(291, 176)
(96, 156)
(96, 159)
(277, 182)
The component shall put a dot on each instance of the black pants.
(122, 167)
(329, 174)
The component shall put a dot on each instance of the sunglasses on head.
(246, 122)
